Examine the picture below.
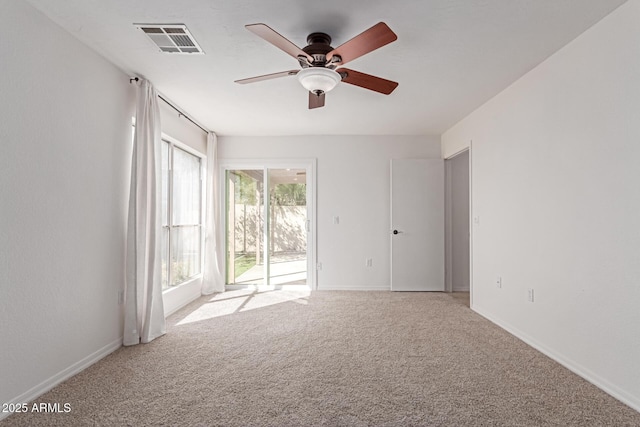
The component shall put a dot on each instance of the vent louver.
(171, 38)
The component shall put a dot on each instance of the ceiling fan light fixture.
(319, 79)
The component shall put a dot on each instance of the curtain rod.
(180, 113)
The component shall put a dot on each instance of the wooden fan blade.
(370, 40)
(268, 77)
(316, 100)
(276, 39)
(367, 81)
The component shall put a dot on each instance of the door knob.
(395, 231)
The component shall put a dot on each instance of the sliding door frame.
(309, 165)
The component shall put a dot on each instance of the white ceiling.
(451, 56)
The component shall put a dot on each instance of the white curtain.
(213, 280)
(144, 312)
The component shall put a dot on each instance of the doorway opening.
(457, 226)
(268, 226)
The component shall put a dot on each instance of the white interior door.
(417, 225)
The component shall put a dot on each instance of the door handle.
(396, 231)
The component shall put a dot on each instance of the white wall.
(180, 128)
(65, 143)
(352, 183)
(555, 184)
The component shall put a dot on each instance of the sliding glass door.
(288, 226)
(245, 226)
(268, 225)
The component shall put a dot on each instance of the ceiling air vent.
(171, 38)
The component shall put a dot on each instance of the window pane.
(186, 188)
(164, 254)
(165, 182)
(185, 253)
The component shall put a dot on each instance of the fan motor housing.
(319, 44)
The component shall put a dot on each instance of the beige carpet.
(285, 358)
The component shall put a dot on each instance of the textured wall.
(65, 162)
(555, 186)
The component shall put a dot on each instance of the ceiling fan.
(322, 64)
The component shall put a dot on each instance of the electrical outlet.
(336, 220)
(319, 266)
(369, 262)
(499, 282)
(530, 294)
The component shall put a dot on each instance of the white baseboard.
(265, 287)
(320, 288)
(34, 392)
(576, 368)
(354, 288)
